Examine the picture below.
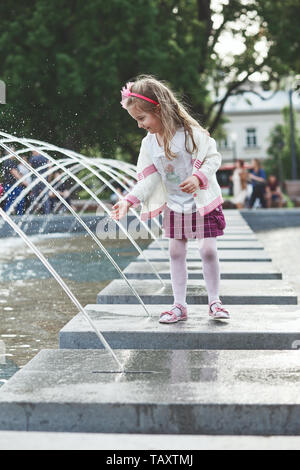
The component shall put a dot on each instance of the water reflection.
(7, 369)
(169, 366)
(33, 308)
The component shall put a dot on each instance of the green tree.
(274, 164)
(281, 19)
(279, 150)
(65, 61)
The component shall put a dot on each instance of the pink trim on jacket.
(197, 163)
(151, 214)
(147, 171)
(202, 178)
(207, 209)
(134, 200)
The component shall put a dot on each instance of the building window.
(223, 144)
(251, 139)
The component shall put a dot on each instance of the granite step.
(221, 244)
(267, 327)
(221, 248)
(242, 270)
(226, 255)
(238, 292)
(250, 237)
(202, 392)
(199, 275)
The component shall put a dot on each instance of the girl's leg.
(211, 274)
(211, 269)
(179, 274)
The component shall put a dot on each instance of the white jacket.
(151, 191)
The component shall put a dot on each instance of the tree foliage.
(281, 20)
(279, 150)
(65, 61)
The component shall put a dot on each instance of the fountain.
(174, 380)
(83, 186)
(75, 215)
(70, 165)
(62, 284)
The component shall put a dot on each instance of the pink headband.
(125, 92)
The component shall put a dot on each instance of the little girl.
(176, 169)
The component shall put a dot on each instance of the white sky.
(230, 44)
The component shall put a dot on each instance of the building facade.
(250, 122)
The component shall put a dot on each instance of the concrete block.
(163, 392)
(195, 265)
(199, 275)
(238, 292)
(269, 327)
(220, 248)
(261, 219)
(243, 270)
(227, 256)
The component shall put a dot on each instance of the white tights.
(179, 274)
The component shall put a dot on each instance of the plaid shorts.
(185, 226)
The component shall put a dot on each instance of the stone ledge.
(164, 392)
(238, 292)
(272, 327)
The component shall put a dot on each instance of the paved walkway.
(201, 378)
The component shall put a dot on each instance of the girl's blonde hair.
(173, 114)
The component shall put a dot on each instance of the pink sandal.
(172, 317)
(220, 313)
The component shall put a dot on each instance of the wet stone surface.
(214, 392)
(272, 327)
(33, 307)
(237, 292)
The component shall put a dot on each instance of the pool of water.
(33, 307)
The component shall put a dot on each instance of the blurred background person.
(61, 187)
(114, 197)
(273, 192)
(10, 175)
(25, 171)
(239, 181)
(39, 162)
(130, 183)
(258, 178)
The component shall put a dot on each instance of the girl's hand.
(190, 184)
(120, 209)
